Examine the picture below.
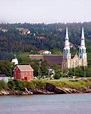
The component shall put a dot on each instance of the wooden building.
(23, 72)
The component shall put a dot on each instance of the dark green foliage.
(57, 75)
(21, 85)
(15, 85)
(80, 71)
(5, 67)
(3, 85)
(29, 85)
(11, 85)
(13, 42)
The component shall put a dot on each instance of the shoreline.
(57, 90)
(46, 87)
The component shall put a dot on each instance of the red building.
(23, 72)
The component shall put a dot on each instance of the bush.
(15, 85)
(28, 84)
(3, 85)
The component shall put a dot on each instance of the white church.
(70, 61)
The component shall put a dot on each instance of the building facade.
(70, 61)
(4, 77)
(23, 72)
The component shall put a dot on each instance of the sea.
(46, 104)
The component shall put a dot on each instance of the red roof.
(41, 51)
(25, 68)
(40, 37)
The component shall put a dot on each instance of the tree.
(5, 67)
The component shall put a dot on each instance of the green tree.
(5, 67)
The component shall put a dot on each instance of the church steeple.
(67, 54)
(82, 48)
(67, 33)
(82, 39)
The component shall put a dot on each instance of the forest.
(13, 42)
(41, 37)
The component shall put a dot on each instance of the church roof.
(54, 59)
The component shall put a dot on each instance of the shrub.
(3, 85)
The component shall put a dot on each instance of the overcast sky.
(45, 11)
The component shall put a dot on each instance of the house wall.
(4, 78)
(27, 75)
(23, 75)
(17, 74)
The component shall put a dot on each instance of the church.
(70, 61)
(66, 60)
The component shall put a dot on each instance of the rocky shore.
(48, 89)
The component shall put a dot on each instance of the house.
(44, 52)
(40, 37)
(23, 72)
(4, 77)
(23, 31)
(4, 30)
(14, 61)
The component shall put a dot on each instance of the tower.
(66, 52)
(82, 50)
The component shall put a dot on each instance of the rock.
(60, 90)
(50, 87)
(55, 89)
(4, 92)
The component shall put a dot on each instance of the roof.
(40, 37)
(38, 57)
(54, 59)
(41, 51)
(3, 75)
(25, 67)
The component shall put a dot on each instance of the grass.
(41, 83)
(64, 82)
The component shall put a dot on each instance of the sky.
(45, 11)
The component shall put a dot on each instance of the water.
(46, 104)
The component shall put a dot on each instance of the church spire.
(82, 48)
(67, 54)
(67, 38)
(82, 33)
(82, 39)
(67, 33)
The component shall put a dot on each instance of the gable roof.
(25, 68)
(74, 56)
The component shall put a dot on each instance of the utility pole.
(39, 70)
(74, 68)
(84, 71)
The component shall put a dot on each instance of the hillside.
(20, 38)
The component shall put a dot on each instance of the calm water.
(46, 104)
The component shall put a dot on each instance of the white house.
(44, 52)
(4, 77)
(15, 61)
